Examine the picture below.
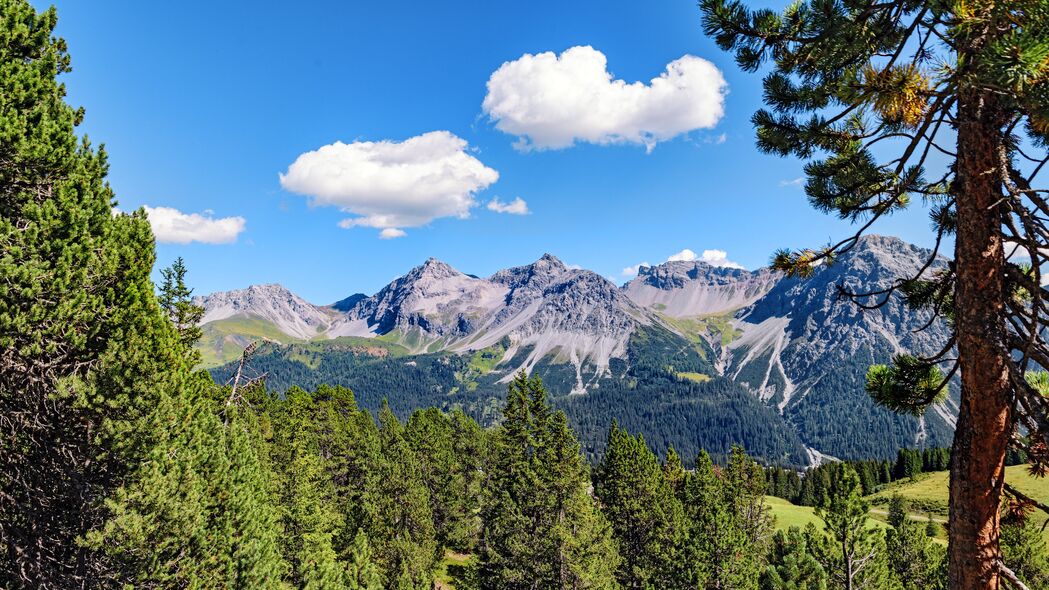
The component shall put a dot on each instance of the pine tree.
(401, 526)
(897, 511)
(85, 352)
(1024, 550)
(849, 548)
(175, 300)
(791, 566)
(718, 551)
(451, 471)
(541, 527)
(645, 515)
(348, 441)
(931, 528)
(470, 446)
(916, 560)
(745, 490)
(197, 511)
(246, 514)
(311, 519)
(362, 574)
(584, 551)
(872, 93)
(674, 472)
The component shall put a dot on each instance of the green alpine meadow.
(299, 325)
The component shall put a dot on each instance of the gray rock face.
(433, 298)
(272, 303)
(681, 289)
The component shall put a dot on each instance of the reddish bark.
(984, 420)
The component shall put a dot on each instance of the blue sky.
(202, 109)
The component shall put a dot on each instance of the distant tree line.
(809, 487)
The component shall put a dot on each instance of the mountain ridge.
(790, 343)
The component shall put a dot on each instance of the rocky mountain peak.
(432, 269)
(694, 288)
(272, 302)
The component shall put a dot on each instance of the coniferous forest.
(125, 465)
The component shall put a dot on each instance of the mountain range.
(692, 355)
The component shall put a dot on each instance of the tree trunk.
(981, 435)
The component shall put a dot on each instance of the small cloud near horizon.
(631, 271)
(711, 257)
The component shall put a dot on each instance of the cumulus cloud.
(171, 226)
(711, 257)
(793, 182)
(631, 271)
(552, 101)
(391, 185)
(516, 207)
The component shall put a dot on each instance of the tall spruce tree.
(646, 517)
(727, 525)
(875, 95)
(849, 548)
(401, 527)
(175, 300)
(541, 527)
(451, 472)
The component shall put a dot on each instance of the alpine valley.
(690, 355)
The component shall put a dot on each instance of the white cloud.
(552, 101)
(390, 233)
(172, 226)
(685, 255)
(392, 185)
(793, 182)
(631, 271)
(711, 257)
(516, 207)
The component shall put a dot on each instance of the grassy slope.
(927, 495)
(929, 491)
(224, 340)
(788, 515)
